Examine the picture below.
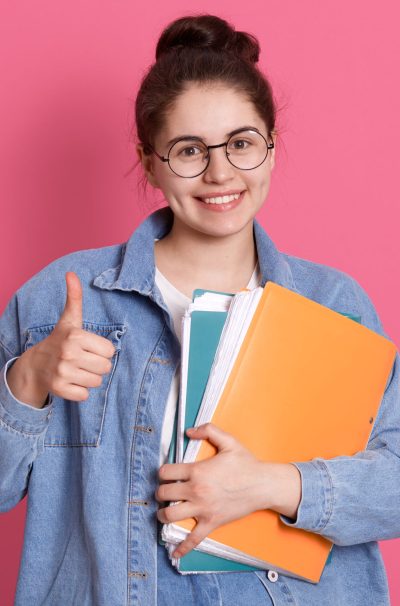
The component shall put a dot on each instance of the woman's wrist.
(282, 488)
(23, 384)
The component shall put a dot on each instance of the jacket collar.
(136, 272)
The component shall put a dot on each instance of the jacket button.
(272, 576)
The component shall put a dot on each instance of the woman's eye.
(189, 152)
(240, 144)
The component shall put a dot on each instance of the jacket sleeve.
(22, 427)
(355, 499)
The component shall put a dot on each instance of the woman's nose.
(219, 168)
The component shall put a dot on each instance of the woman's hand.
(67, 362)
(227, 486)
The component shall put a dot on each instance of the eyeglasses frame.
(270, 145)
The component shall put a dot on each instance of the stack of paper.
(292, 380)
(201, 330)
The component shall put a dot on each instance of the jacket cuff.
(19, 415)
(316, 502)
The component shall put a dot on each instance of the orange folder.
(307, 382)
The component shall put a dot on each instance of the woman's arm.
(21, 381)
(22, 427)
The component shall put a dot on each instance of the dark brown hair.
(202, 49)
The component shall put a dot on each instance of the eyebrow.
(197, 138)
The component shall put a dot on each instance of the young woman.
(90, 350)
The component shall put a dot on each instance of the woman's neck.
(190, 259)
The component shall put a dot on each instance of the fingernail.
(177, 554)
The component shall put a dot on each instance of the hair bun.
(210, 33)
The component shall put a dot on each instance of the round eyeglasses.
(189, 156)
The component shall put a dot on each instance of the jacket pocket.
(80, 423)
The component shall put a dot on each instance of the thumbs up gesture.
(70, 360)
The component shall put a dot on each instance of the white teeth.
(221, 199)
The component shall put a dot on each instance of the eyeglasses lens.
(245, 150)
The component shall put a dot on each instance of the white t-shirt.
(177, 304)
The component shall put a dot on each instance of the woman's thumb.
(72, 312)
(219, 438)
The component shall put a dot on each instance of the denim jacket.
(90, 468)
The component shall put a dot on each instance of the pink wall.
(66, 112)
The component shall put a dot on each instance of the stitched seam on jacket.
(328, 498)
(132, 457)
(4, 346)
(27, 434)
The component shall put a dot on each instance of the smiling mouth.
(225, 199)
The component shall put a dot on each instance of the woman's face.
(210, 112)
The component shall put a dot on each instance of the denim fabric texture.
(90, 468)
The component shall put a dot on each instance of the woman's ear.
(146, 161)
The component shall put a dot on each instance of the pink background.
(66, 114)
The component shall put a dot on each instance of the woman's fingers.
(94, 363)
(175, 513)
(208, 431)
(83, 378)
(199, 533)
(96, 344)
(173, 491)
(212, 491)
(174, 471)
